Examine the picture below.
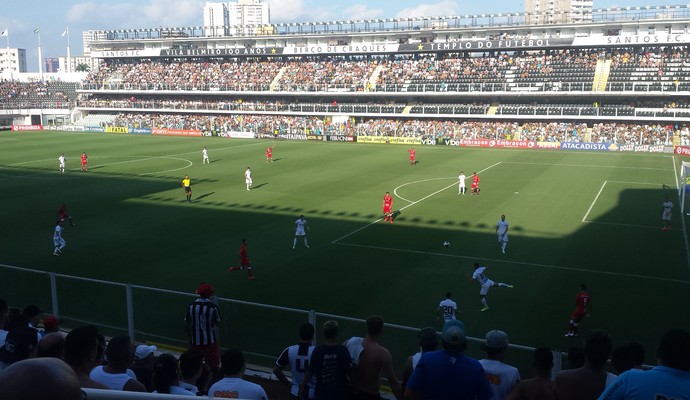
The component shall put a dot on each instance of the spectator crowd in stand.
(349, 371)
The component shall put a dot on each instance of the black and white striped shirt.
(201, 316)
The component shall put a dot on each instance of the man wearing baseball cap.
(502, 377)
(449, 374)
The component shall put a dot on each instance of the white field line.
(584, 219)
(501, 261)
(586, 166)
(409, 205)
(681, 186)
(628, 225)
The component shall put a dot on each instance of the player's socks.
(485, 308)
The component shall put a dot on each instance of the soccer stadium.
(578, 133)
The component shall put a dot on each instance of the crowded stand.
(37, 94)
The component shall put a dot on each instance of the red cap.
(205, 290)
(51, 322)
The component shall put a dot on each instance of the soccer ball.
(446, 244)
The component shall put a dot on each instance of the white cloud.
(360, 11)
(299, 11)
(442, 8)
(137, 15)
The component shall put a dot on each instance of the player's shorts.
(300, 232)
(666, 216)
(83, 163)
(485, 287)
(245, 264)
(577, 315)
(387, 210)
(461, 185)
(475, 185)
(502, 238)
(187, 189)
(59, 242)
(248, 181)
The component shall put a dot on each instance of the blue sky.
(53, 16)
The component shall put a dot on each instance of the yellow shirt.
(186, 182)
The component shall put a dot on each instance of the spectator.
(638, 354)
(115, 374)
(83, 352)
(621, 359)
(32, 313)
(374, 360)
(203, 326)
(144, 358)
(502, 377)
(51, 345)
(20, 344)
(194, 372)
(166, 376)
(40, 379)
(541, 387)
(232, 385)
(669, 380)
(51, 324)
(589, 381)
(428, 341)
(297, 357)
(330, 366)
(4, 316)
(575, 357)
(448, 374)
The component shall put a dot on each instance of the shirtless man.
(373, 360)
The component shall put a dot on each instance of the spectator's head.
(576, 357)
(453, 337)
(145, 354)
(120, 351)
(51, 324)
(621, 359)
(165, 373)
(449, 295)
(82, 347)
(191, 364)
(204, 290)
(543, 359)
(495, 343)
(674, 350)
(598, 346)
(20, 344)
(233, 363)
(16, 319)
(330, 329)
(32, 312)
(39, 379)
(374, 325)
(428, 339)
(638, 353)
(51, 345)
(306, 332)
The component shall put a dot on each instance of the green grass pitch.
(574, 217)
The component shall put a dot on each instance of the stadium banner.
(27, 127)
(316, 137)
(94, 129)
(174, 132)
(239, 135)
(140, 131)
(116, 129)
(501, 144)
(645, 148)
(588, 146)
(682, 150)
(388, 140)
(340, 138)
(71, 128)
(655, 39)
(432, 141)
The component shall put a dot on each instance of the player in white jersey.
(486, 283)
(447, 308)
(204, 156)
(666, 211)
(58, 241)
(502, 232)
(302, 227)
(248, 178)
(297, 357)
(461, 183)
(62, 161)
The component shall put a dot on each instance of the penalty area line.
(546, 266)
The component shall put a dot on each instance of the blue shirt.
(658, 383)
(440, 375)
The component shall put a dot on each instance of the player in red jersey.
(244, 261)
(474, 189)
(581, 302)
(62, 214)
(413, 156)
(387, 207)
(269, 154)
(84, 162)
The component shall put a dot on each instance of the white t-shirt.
(479, 276)
(58, 232)
(237, 388)
(61, 159)
(461, 179)
(204, 153)
(301, 223)
(502, 227)
(449, 307)
(668, 208)
(248, 176)
(502, 377)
